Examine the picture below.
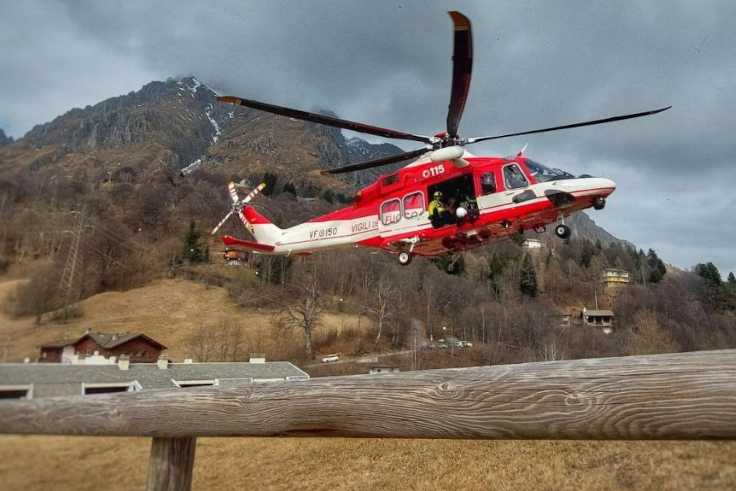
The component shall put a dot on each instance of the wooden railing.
(674, 396)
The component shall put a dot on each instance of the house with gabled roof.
(101, 348)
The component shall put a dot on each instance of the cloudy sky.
(387, 63)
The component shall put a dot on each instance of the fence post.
(171, 464)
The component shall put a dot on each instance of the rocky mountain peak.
(5, 140)
(179, 115)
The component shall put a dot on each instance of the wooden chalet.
(138, 347)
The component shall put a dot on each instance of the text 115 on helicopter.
(481, 200)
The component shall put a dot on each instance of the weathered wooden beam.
(171, 464)
(675, 396)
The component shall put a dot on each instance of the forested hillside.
(104, 185)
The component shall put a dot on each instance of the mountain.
(160, 126)
(179, 116)
(177, 125)
(584, 227)
(5, 140)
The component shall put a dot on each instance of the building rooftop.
(599, 313)
(104, 339)
(50, 380)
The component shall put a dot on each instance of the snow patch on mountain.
(208, 112)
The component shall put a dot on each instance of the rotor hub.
(443, 140)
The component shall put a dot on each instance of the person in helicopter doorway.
(470, 205)
(438, 213)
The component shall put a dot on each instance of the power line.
(71, 279)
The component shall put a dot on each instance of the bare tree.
(41, 294)
(254, 339)
(229, 340)
(647, 337)
(203, 342)
(385, 298)
(305, 312)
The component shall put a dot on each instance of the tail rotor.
(237, 205)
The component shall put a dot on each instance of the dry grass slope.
(169, 309)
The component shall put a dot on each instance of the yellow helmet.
(437, 194)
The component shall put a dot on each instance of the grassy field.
(81, 463)
(169, 309)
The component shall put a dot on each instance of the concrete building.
(599, 318)
(615, 277)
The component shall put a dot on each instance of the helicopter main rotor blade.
(328, 120)
(462, 66)
(568, 126)
(377, 162)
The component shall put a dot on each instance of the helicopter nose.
(600, 185)
(607, 183)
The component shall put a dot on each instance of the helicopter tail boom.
(262, 229)
(265, 232)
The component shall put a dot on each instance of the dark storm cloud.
(388, 63)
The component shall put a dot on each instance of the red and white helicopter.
(485, 199)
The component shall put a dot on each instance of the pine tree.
(710, 272)
(270, 179)
(656, 266)
(289, 188)
(528, 280)
(586, 256)
(192, 250)
(495, 273)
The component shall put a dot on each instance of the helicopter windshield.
(543, 173)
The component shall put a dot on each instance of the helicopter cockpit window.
(513, 177)
(488, 183)
(391, 212)
(543, 173)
